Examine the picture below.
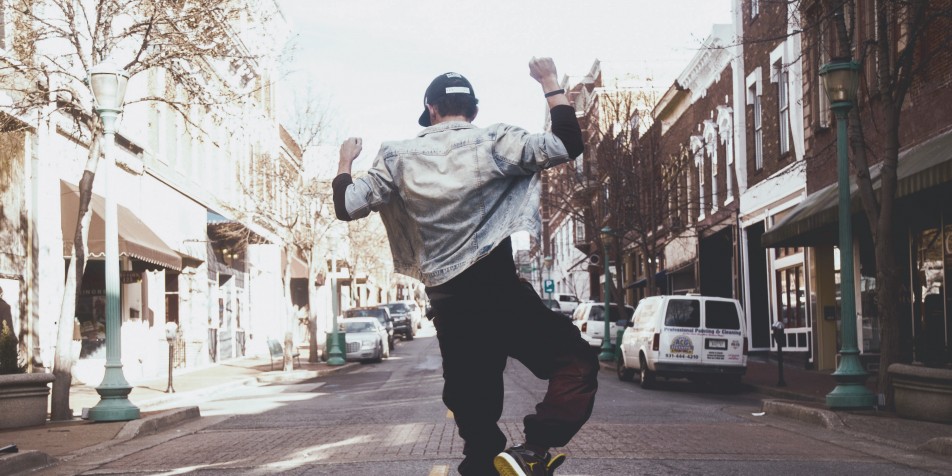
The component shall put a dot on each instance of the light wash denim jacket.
(450, 195)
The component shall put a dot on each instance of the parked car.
(567, 302)
(589, 317)
(366, 339)
(552, 304)
(698, 337)
(402, 315)
(555, 306)
(416, 314)
(382, 315)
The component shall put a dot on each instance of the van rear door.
(723, 337)
(680, 341)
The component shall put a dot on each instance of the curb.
(825, 418)
(280, 376)
(157, 423)
(24, 461)
(941, 446)
(32, 460)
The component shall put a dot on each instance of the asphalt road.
(388, 418)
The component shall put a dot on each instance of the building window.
(710, 144)
(754, 8)
(783, 99)
(758, 135)
(753, 83)
(697, 148)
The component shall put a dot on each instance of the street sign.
(549, 286)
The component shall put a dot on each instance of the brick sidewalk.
(66, 438)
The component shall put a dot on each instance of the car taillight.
(745, 346)
(584, 327)
(656, 342)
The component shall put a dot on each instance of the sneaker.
(520, 461)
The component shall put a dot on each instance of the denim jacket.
(448, 196)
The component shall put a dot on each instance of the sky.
(372, 60)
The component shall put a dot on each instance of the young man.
(450, 198)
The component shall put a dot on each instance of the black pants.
(483, 317)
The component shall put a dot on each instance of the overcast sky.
(373, 59)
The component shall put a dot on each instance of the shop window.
(791, 297)
(933, 255)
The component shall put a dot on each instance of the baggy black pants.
(485, 316)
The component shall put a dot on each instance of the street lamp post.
(335, 355)
(840, 79)
(108, 84)
(607, 355)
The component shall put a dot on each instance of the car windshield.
(378, 313)
(354, 327)
(598, 313)
(398, 308)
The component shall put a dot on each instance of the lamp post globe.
(607, 355)
(840, 80)
(107, 81)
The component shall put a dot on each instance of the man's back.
(449, 195)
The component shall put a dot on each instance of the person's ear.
(475, 112)
(434, 114)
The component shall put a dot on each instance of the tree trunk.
(289, 318)
(63, 357)
(313, 356)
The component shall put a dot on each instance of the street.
(388, 418)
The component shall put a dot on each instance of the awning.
(814, 220)
(136, 239)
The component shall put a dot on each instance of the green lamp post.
(607, 353)
(840, 79)
(335, 355)
(108, 84)
(549, 287)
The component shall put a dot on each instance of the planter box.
(24, 399)
(922, 393)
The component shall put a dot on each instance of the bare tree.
(199, 47)
(898, 47)
(369, 250)
(297, 211)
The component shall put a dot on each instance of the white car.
(366, 339)
(589, 317)
(697, 337)
(567, 302)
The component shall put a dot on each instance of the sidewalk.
(42, 445)
(804, 398)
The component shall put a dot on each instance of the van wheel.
(409, 335)
(647, 376)
(624, 373)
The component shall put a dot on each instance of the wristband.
(553, 93)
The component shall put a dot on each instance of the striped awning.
(814, 220)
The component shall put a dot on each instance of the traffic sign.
(549, 286)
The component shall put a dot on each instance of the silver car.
(366, 339)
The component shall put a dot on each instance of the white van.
(697, 337)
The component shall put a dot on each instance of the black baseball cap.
(446, 83)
